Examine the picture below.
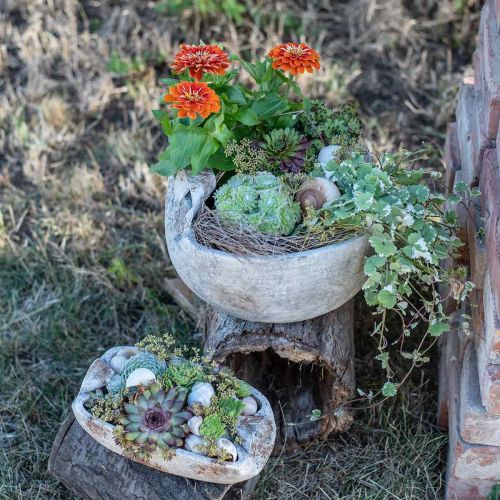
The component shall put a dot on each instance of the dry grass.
(82, 258)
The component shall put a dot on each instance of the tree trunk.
(93, 472)
(300, 367)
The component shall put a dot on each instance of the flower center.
(192, 96)
(295, 50)
(155, 419)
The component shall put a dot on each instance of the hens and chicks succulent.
(161, 401)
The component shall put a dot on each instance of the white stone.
(225, 447)
(194, 424)
(250, 406)
(201, 393)
(140, 376)
(268, 289)
(327, 154)
(257, 438)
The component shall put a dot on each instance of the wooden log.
(300, 367)
(93, 472)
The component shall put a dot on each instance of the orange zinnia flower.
(200, 59)
(294, 57)
(191, 98)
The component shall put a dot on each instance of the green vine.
(410, 233)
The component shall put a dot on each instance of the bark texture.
(96, 473)
(299, 366)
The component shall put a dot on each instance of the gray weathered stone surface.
(93, 472)
(257, 434)
(299, 366)
(270, 289)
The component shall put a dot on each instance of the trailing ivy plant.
(410, 234)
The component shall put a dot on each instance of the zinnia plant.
(207, 107)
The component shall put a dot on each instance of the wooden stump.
(299, 366)
(96, 473)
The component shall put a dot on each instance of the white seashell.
(225, 447)
(201, 393)
(141, 376)
(118, 360)
(194, 424)
(196, 444)
(327, 154)
(250, 406)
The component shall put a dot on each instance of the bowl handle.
(186, 195)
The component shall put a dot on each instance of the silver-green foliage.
(410, 232)
(262, 201)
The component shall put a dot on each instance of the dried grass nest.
(212, 231)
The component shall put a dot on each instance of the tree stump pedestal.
(300, 367)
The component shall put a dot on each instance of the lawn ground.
(82, 254)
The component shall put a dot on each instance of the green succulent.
(212, 427)
(262, 201)
(155, 419)
(287, 149)
(182, 374)
(92, 398)
(231, 407)
(143, 360)
(331, 125)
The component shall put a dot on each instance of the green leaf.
(236, 95)
(269, 105)
(420, 192)
(247, 116)
(184, 144)
(164, 119)
(200, 158)
(164, 166)
(374, 262)
(383, 245)
(384, 359)
(364, 200)
(387, 298)
(389, 389)
(169, 81)
(219, 161)
(437, 328)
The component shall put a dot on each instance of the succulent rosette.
(156, 418)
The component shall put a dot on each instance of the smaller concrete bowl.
(268, 289)
(257, 433)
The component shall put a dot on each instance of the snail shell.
(250, 406)
(120, 359)
(201, 393)
(316, 192)
(141, 376)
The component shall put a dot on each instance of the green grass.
(82, 255)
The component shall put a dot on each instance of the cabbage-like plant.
(262, 201)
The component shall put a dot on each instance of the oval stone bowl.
(268, 289)
(257, 434)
